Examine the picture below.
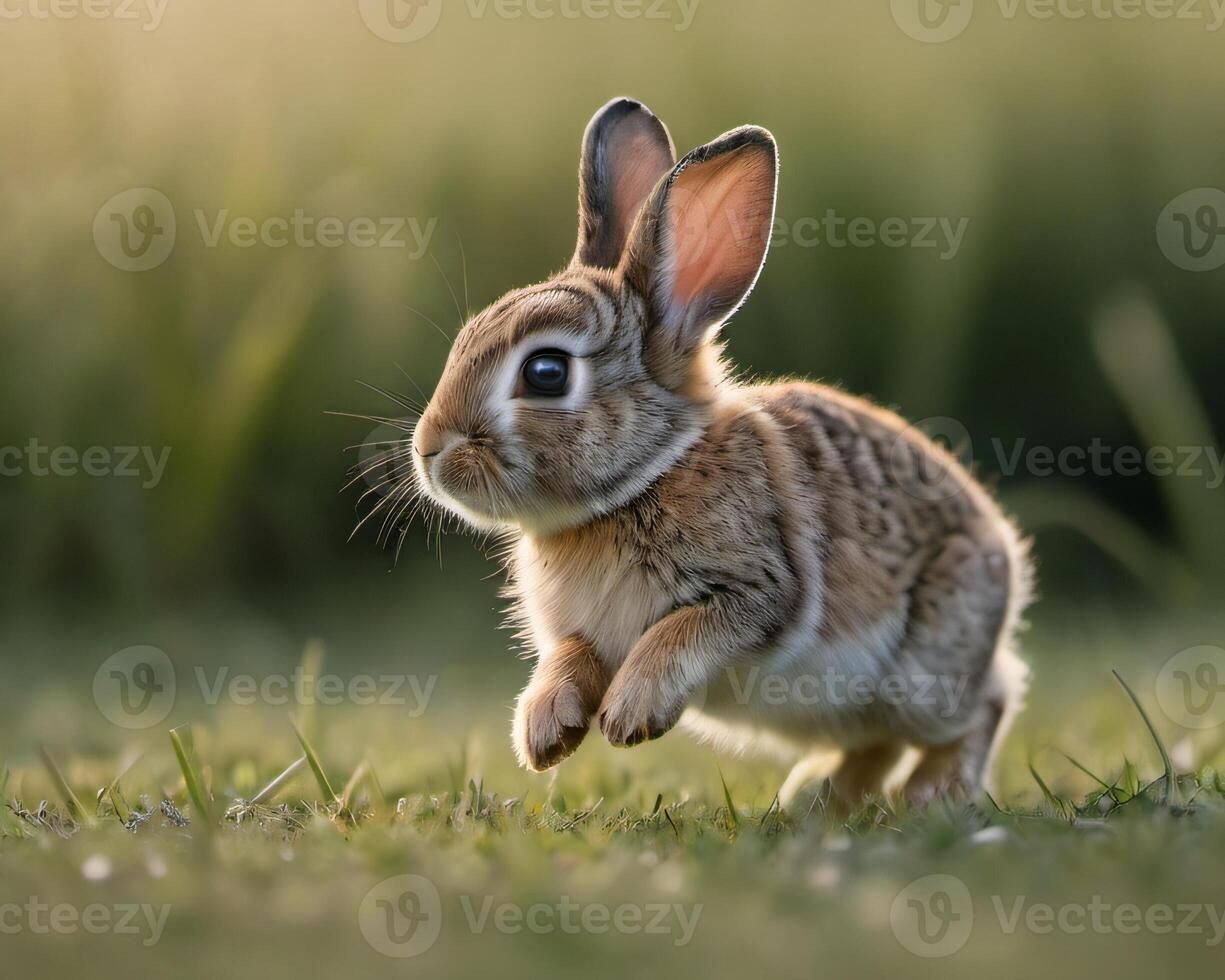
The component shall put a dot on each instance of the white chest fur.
(587, 590)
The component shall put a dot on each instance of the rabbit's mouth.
(468, 477)
(489, 490)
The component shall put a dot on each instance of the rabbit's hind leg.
(957, 769)
(812, 768)
(960, 768)
(864, 772)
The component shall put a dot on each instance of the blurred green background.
(1057, 320)
(1060, 320)
(1060, 142)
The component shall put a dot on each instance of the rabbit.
(686, 547)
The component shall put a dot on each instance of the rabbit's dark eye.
(547, 374)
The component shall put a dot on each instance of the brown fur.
(676, 532)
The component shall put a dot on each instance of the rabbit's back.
(921, 573)
(889, 499)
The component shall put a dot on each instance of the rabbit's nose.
(430, 440)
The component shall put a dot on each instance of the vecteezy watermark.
(937, 21)
(299, 688)
(136, 230)
(136, 688)
(302, 230)
(835, 689)
(833, 230)
(385, 460)
(63, 919)
(928, 477)
(1191, 229)
(591, 918)
(403, 916)
(1106, 918)
(932, 21)
(1191, 687)
(934, 917)
(147, 13)
(1206, 463)
(123, 462)
(405, 21)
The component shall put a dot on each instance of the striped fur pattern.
(778, 566)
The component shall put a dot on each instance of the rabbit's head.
(567, 399)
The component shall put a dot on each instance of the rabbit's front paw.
(550, 722)
(636, 710)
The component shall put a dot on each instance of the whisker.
(421, 503)
(449, 338)
(402, 400)
(463, 257)
(424, 397)
(374, 488)
(400, 424)
(397, 523)
(401, 497)
(376, 442)
(438, 265)
(369, 514)
(396, 471)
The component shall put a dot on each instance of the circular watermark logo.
(919, 472)
(401, 916)
(135, 230)
(401, 21)
(135, 687)
(1191, 687)
(932, 21)
(933, 916)
(385, 459)
(1191, 230)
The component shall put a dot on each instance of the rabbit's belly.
(809, 692)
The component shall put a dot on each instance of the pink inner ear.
(721, 213)
(635, 164)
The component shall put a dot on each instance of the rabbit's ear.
(701, 240)
(626, 150)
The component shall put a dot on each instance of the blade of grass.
(1095, 778)
(277, 784)
(1164, 572)
(309, 669)
(112, 792)
(312, 759)
(9, 827)
(1130, 778)
(71, 801)
(1050, 797)
(1172, 795)
(232, 411)
(184, 744)
(732, 817)
(355, 780)
(376, 786)
(1139, 358)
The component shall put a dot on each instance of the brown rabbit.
(798, 567)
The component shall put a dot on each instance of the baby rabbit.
(799, 568)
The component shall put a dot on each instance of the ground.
(664, 857)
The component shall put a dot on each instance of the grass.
(234, 824)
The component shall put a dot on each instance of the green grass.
(235, 825)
